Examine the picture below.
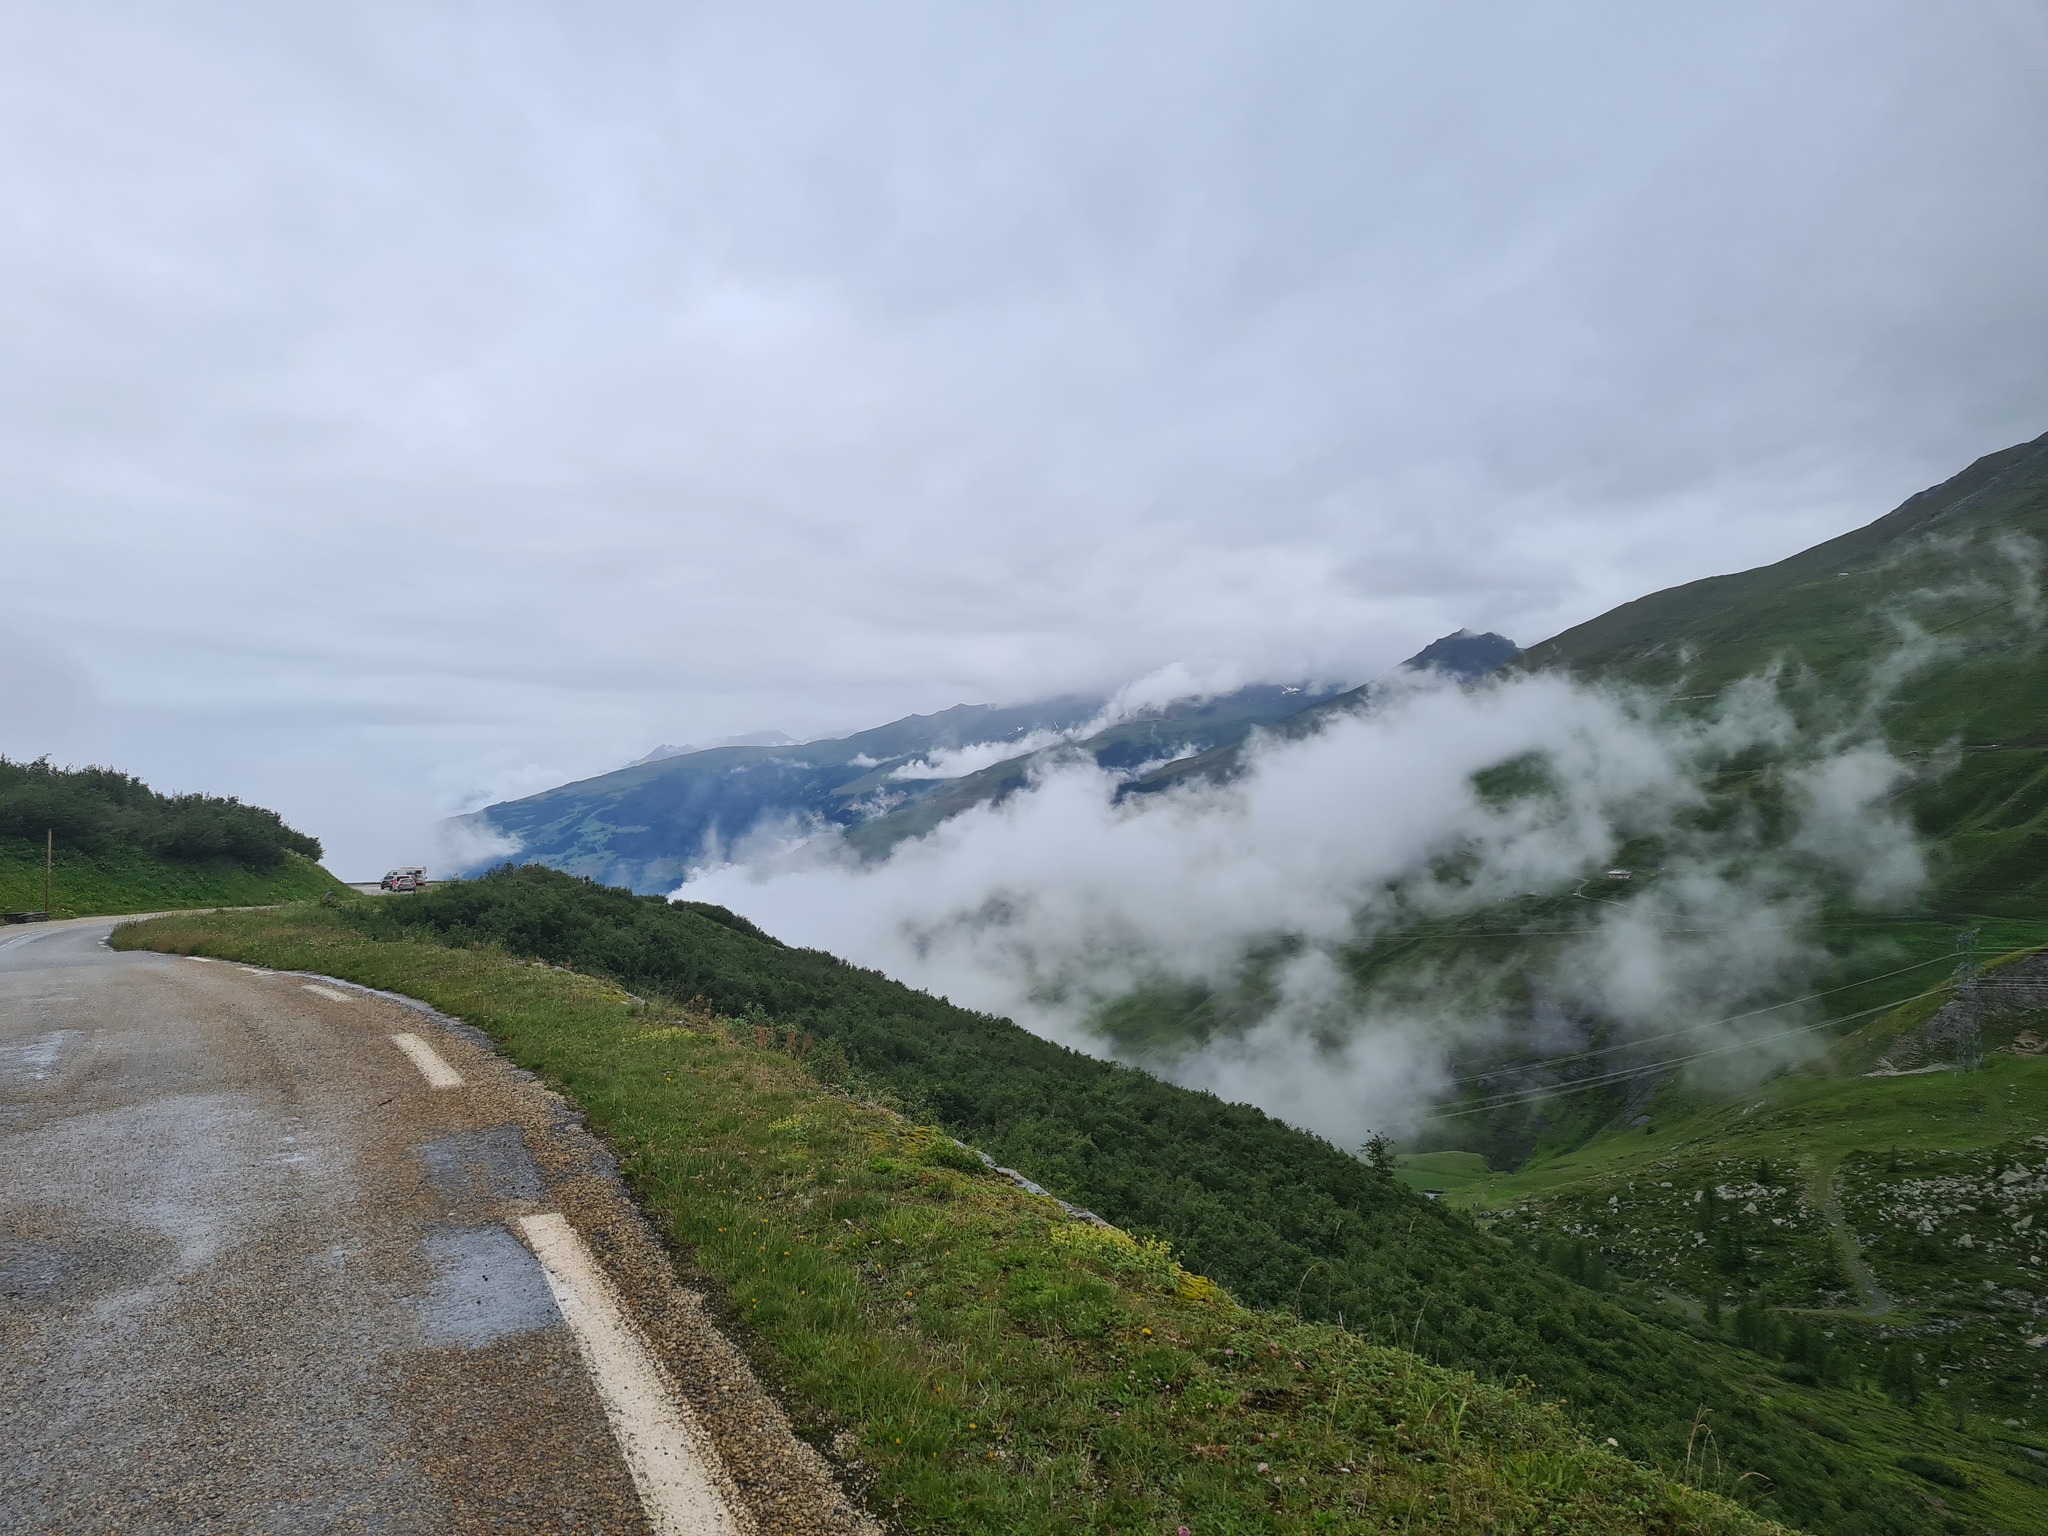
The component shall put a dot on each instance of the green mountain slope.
(980, 1362)
(1949, 583)
(1880, 1215)
(122, 847)
(1841, 1207)
(131, 880)
(1279, 1216)
(1714, 630)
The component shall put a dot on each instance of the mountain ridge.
(1704, 607)
(644, 824)
(647, 824)
(1461, 657)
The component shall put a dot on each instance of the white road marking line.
(658, 1436)
(252, 971)
(327, 992)
(202, 959)
(436, 1071)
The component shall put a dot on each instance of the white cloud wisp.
(1067, 897)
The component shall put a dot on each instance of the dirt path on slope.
(1821, 1186)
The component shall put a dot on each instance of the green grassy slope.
(1837, 1225)
(1952, 574)
(1278, 1216)
(123, 847)
(1922, 630)
(1842, 1225)
(1733, 624)
(131, 880)
(986, 1363)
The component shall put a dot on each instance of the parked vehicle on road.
(410, 878)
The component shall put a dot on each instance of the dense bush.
(1277, 1215)
(97, 809)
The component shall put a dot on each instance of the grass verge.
(127, 879)
(980, 1361)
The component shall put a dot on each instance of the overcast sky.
(407, 405)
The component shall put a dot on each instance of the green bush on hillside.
(1280, 1217)
(997, 1369)
(99, 810)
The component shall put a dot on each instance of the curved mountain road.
(279, 1255)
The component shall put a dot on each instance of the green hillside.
(1921, 632)
(1717, 629)
(130, 880)
(978, 1361)
(1931, 619)
(1837, 1222)
(1279, 1217)
(1833, 1220)
(119, 846)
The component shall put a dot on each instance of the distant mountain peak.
(665, 750)
(1464, 656)
(751, 739)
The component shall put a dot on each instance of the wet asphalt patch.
(49, 1260)
(487, 1286)
(491, 1163)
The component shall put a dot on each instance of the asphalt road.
(258, 1273)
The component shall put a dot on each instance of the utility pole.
(49, 853)
(1970, 1043)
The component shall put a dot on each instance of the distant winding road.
(282, 1256)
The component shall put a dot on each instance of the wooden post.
(49, 852)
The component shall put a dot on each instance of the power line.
(1501, 1101)
(1628, 1045)
(1875, 920)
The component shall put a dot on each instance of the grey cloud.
(47, 702)
(1063, 898)
(651, 374)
